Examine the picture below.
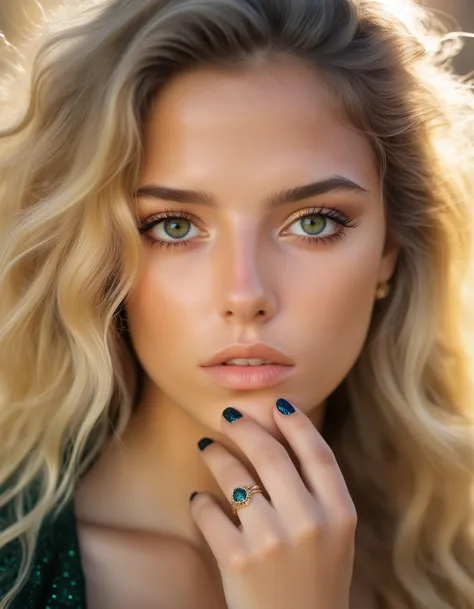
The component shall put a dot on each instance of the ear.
(389, 258)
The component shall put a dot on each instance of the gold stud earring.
(382, 290)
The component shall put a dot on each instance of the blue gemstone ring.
(241, 496)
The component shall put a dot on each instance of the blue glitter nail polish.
(231, 414)
(284, 406)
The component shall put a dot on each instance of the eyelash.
(333, 214)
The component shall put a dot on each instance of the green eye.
(177, 228)
(313, 225)
(171, 229)
(320, 225)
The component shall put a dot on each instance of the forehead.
(272, 118)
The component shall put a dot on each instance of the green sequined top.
(57, 579)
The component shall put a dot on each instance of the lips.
(255, 351)
(241, 378)
(247, 362)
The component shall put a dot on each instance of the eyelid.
(182, 213)
(332, 214)
(153, 220)
(327, 212)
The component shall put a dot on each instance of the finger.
(258, 518)
(223, 537)
(290, 497)
(318, 462)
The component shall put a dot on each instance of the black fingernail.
(203, 442)
(231, 414)
(191, 497)
(284, 406)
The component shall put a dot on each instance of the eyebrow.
(334, 183)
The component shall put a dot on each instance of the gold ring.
(241, 496)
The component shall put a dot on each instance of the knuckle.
(348, 522)
(323, 455)
(270, 545)
(310, 532)
(238, 560)
(229, 471)
(272, 453)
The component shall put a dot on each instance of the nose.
(245, 280)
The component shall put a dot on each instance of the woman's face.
(240, 267)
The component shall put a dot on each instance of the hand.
(296, 550)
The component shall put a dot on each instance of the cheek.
(164, 309)
(345, 310)
(337, 306)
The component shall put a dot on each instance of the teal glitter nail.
(284, 406)
(231, 414)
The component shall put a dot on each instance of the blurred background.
(16, 16)
(462, 12)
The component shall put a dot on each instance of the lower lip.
(248, 377)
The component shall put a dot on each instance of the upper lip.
(253, 351)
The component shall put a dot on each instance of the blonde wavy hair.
(401, 423)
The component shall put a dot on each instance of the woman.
(233, 328)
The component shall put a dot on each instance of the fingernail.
(204, 442)
(284, 406)
(231, 414)
(191, 497)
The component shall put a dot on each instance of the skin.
(242, 137)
